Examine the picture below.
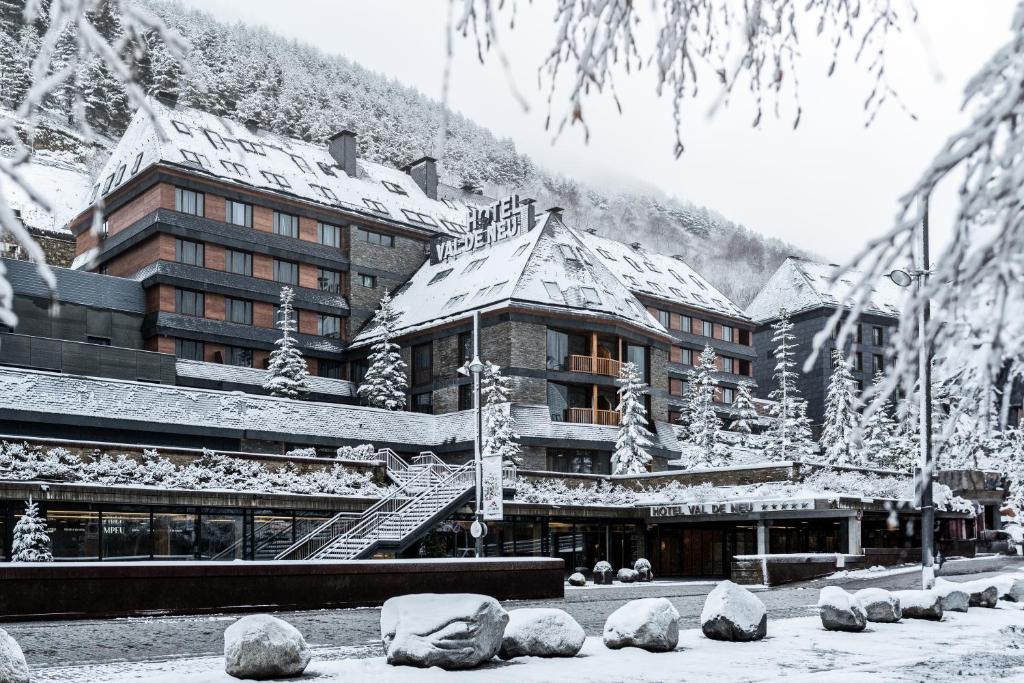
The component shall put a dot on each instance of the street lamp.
(475, 367)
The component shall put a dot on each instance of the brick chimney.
(342, 146)
(424, 172)
(168, 98)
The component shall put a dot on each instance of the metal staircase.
(428, 491)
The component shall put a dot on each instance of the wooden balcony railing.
(595, 365)
(596, 417)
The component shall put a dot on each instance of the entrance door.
(703, 552)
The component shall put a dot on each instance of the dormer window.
(301, 163)
(234, 167)
(393, 187)
(417, 217)
(655, 286)
(327, 192)
(636, 266)
(607, 254)
(276, 179)
(181, 128)
(253, 147)
(193, 158)
(109, 181)
(651, 267)
(590, 295)
(449, 203)
(698, 282)
(440, 276)
(327, 169)
(374, 205)
(553, 290)
(474, 266)
(520, 250)
(677, 276)
(215, 139)
(136, 163)
(455, 301)
(120, 175)
(568, 253)
(453, 227)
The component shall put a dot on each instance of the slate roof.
(229, 151)
(801, 285)
(547, 268)
(255, 377)
(74, 399)
(77, 287)
(660, 276)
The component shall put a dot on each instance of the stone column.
(762, 537)
(853, 535)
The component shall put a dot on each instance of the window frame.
(231, 307)
(230, 204)
(285, 224)
(198, 250)
(278, 264)
(190, 302)
(230, 256)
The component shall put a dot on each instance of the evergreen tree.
(743, 407)
(288, 372)
(385, 382)
(685, 409)
(704, 421)
(631, 456)
(500, 437)
(839, 430)
(790, 435)
(31, 541)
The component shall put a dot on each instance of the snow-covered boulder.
(541, 632)
(1011, 588)
(840, 611)
(13, 667)
(577, 579)
(649, 623)
(603, 573)
(260, 646)
(920, 604)
(626, 575)
(732, 612)
(452, 630)
(951, 596)
(642, 567)
(880, 605)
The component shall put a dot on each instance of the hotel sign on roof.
(503, 220)
(736, 508)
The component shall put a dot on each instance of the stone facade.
(391, 266)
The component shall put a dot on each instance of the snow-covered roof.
(65, 186)
(660, 276)
(255, 377)
(802, 285)
(547, 267)
(229, 151)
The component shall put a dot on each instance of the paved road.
(356, 631)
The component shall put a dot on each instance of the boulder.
(581, 570)
(451, 630)
(643, 570)
(603, 574)
(1011, 588)
(626, 575)
(983, 592)
(260, 646)
(951, 596)
(919, 604)
(541, 632)
(649, 623)
(577, 579)
(840, 611)
(732, 612)
(13, 667)
(879, 605)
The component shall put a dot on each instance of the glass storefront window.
(74, 534)
(126, 535)
(530, 539)
(174, 535)
(273, 532)
(222, 536)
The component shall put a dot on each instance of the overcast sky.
(826, 187)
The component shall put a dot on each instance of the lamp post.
(476, 367)
(919, 278)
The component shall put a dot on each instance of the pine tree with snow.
(385, 382)
(841, 422)
(705, 424)
(500, 437)
(744, 413)
(287, 367)
(790, 434)
(31, 541)
(630, 455)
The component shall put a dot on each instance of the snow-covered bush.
(31, 541)
(301, 453)
(364, 451)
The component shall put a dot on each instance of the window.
(465, 347)
(92, 195)
(422, 403)
(590, 295)
(181, 127)
(286, 272)
(727, 333)
(358, 370)
(877, 363)
(301, 163)
(465, 397)
(375, 205)
(327, 192)
(328, 280)
(275, 179)
(858, 335)
(188, 349)
(636, 266)
(677, 292)
(474, 265)
(100, 341)
(655, 286)
(440, 275)
(238, 213)
(253, 147)
(520, 250)
(286, 224)
(707, 329)
(604, 252)
(663, 318)
(553, 290)
(326, 168)
(860, 386)
(680, 355)
(369, 281)
(422, 364)
(858, 362)
(728, 395)
(328, 326)
(195, 159)
(496, 289)
(877, 335)
(328, 235)
(676, 386)
(235, 355)
(449, 203)
(120, 175)
(188, 201)
(418, 217)
(108, 183)
(651, 267)
(236, 168)
(188, 302)
(188, 252)
(238, 311)
(568, 253)
(371, 237)
(697, 282)
(728, 364)
(453, 227)
(393, 187)
(215, 139)
(454, 301)
(238, 262)
(331, 369)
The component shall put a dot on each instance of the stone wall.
(392, 266)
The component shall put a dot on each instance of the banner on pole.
(492, 493)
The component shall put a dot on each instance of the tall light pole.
(477, 367)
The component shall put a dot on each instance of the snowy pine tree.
(288, 372)
(631, 456)
(839, 431)
(31, 541)
(789, 436)
(500, 437)
(704, 421)
(385, 382)
(743, 407)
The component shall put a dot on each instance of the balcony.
(594, 365)
(608, 418)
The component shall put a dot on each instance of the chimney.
(252, 125)
(557, 210)
(168, 98)
(342, 146)
(636, 246)
(424, 172)
(471, 188)
(591, 231)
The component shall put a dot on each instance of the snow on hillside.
(65, 185)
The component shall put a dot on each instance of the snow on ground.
(64, 183)
(984, 644)
(950, 568)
